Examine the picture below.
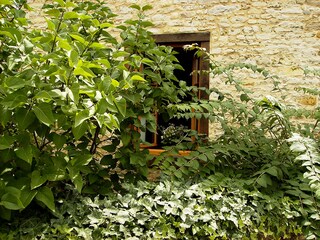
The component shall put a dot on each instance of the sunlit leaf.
(25, 153)
(43, 112)
(80, 130)
(37, 179)
(81, 117)
(137, 78)
(70, 15)
(45, 196)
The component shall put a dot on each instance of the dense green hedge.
(165, 210)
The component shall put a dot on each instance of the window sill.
(157, 152)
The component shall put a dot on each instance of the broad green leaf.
(76, 178)
(137, 78)
(54, 173)
(105, 25)
(244, 97)
(43, 95)
(5, 2)
(125, 138)
(11, 199)
(80, 130)
(78, 182)
(120, 54)
(81, 159)
(147, 24)
(5, 213)
(69, 110)
(85, 16)
(194, 164)
(12, 33)
(53, 12)
(59, 140)
(135, 6)
(107, 104)
(178, 174)
(64, 44)
(60, 2)
(11, 202)
(36, 179)
(264, 180)
(102, 106)
(28, 46)
(52, 71)
(81, 117)
(45, 196)
(83, 71)
(104, 62)
(24, 118)
(97, 45)
(44, 113)
(92, 65)
(115, 83)
(73, 58)
(15, 99)
(146, 7)
(273, 171)
(79, 38)
(51, 25)
(27, 196)
(70, 15)
(71, 4)
(5, 115)
(121, 105)
(25, 153)
(15, 83)
(75, 89)
(6, 142)
(203, 157)
(138, 159)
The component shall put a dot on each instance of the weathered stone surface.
(313, 2)
(281, 35)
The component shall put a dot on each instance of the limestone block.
(308, 100)
(313, 2)
(222, 9)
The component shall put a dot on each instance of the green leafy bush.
(72, 97)
(255, 146)
(73, 94)
(168, 211)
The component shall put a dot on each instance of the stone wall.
(282, 36)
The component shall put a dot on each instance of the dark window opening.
(190, 63)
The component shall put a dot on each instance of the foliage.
(73, 88)
(169, 211)
(254, 146)
(72, 100)
(309, 155)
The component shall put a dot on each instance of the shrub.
(73, 88)
(168, 211)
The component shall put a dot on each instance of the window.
(190, 63)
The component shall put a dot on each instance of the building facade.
(281, 36)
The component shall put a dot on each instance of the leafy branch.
(308, 151)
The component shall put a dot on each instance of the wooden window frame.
(200, 78)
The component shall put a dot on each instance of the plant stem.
(35, 139)
(57, 31)
(94, 142)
